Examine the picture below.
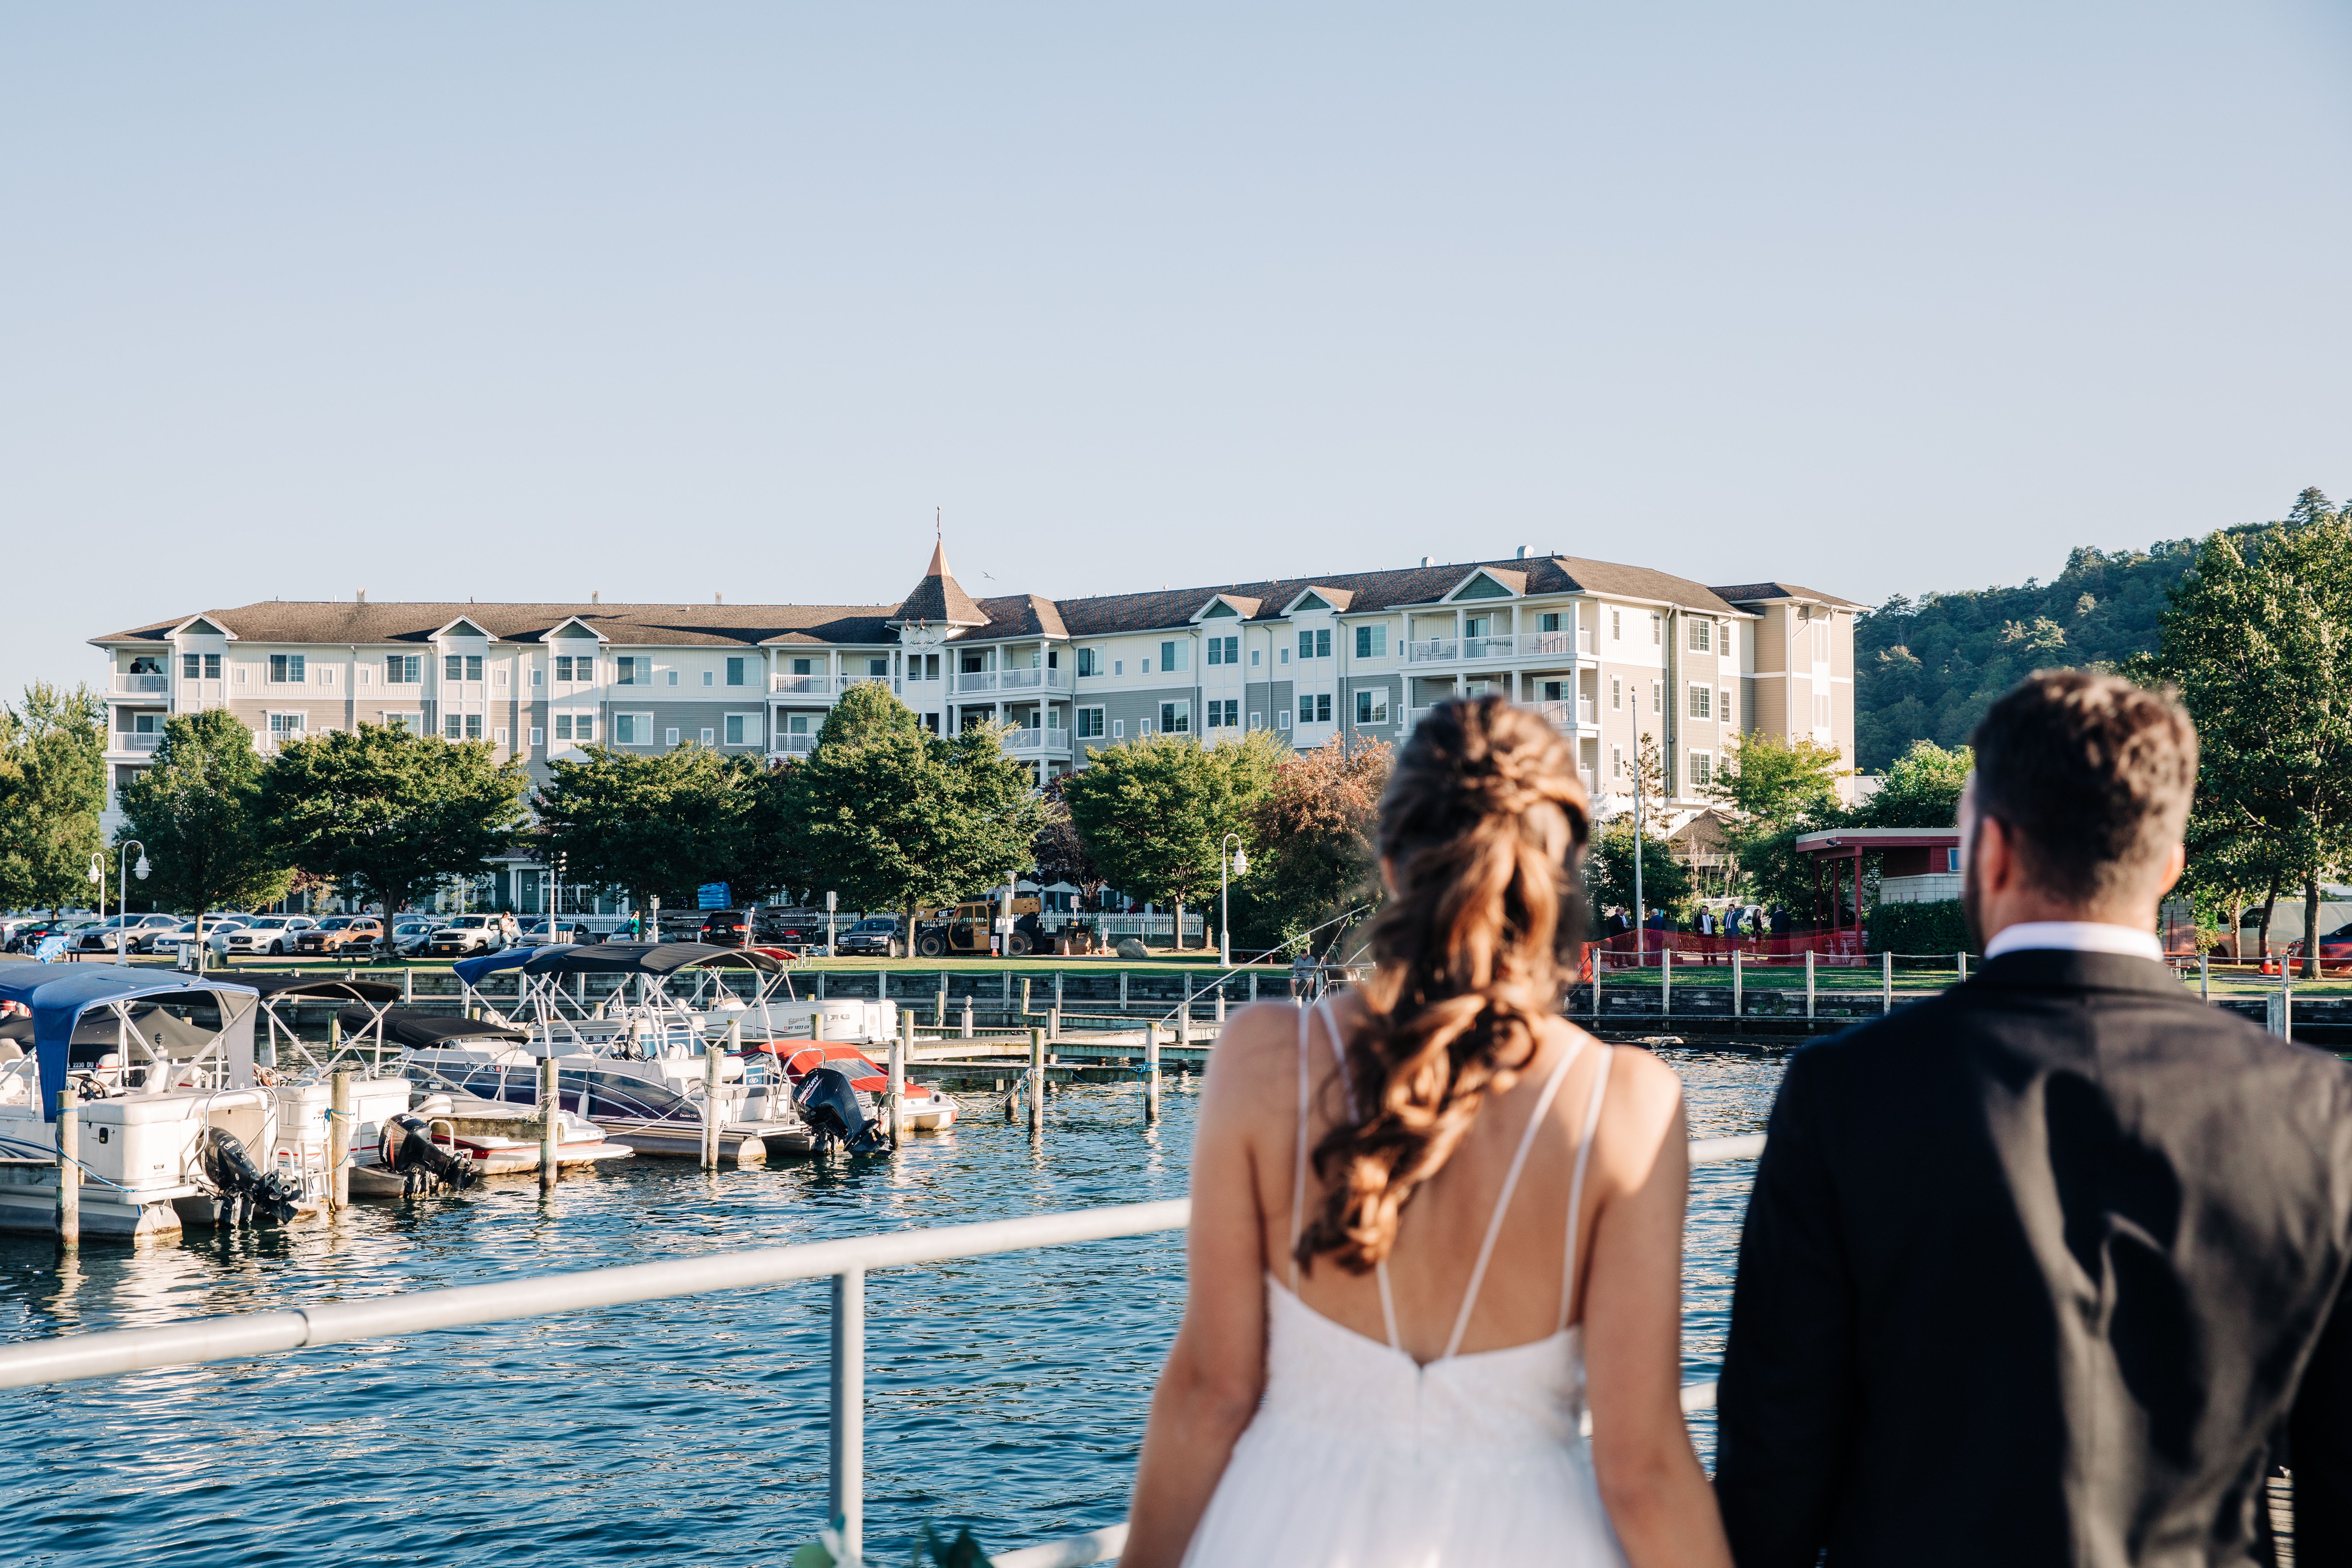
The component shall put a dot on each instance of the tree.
(894, 817)
(1061, 854)
(198, 812)
(2259, 642)
(1314, 830)
(1776, 790)
(655, 825)
(52, 788)
(1153, 810)
(1922, 789)
(1609, 869)
(385, 813)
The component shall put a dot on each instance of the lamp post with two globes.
(1225, 901)
(123, 872)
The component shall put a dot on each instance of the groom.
(2040, 1271)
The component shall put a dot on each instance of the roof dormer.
(1316, 597)
(1227, 606)
(463, 626)
(1489, 582)
(574, 626)
(200, 627)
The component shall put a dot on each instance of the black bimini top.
(644, 958)
(425, 1030)
(331, 986)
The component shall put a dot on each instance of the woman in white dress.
(1432, 1223)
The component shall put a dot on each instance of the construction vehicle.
(963, 930)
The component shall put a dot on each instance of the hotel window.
(1371, 642)
(1233, 713)
(411, 723)
(1616, 626)
(800, 667)
(877, 670)
(285, 726)
(1171, 657)
(1282, 718)
(402, 669)
(564, 666)
(461, 727)
(1146, 666)
(739, 726)
(1118, 728)
(1702, 702)
(673, 677)
(1372, 705)
(1286, 657)
(538, 736)
(1257, 654)
(1657, 697)
(452, 666)
(735, 672)
(1176, 718)
(1090, 723)
(1119, 667)
(1314, 644)
(1702, 636)
(1555, 690)
(1315, 709)
(1225, 650)
(1616, 762)
(1549, 621)
(1085, 661)
(502, 735)
(1657, 628)
(1723, 710)
(285, 668)
(200, 667)
(710, 736)
(930, 667)
(633, 728)
(1257, 719)
(1616, 694)
(632, 670)
(669, 736)
(1821, 711)
(708, 678)
(1702, 769)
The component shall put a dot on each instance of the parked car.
(29, 937)
(184, 932)
(410, 933)
(461, 934)
(272, 935)
(876, 936)
(109, 934)
(2334, 947)
(337, 933)
(534, 933)
(724, 928)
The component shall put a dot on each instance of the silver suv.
(466, 933)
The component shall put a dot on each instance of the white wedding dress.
(1361, 1457)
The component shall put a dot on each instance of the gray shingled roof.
(340, 621)
(1756, 593)
(939, 599)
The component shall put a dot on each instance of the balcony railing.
(133, 741)
(1489, 647)
(1536, 645)
(975, 680)
(1428, 648)
(814, 684)
(794, 745)
(845, 682)
(141, 685)
(1037, 739)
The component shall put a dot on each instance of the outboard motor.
(829, 1105)
(245, 1189)
(406, 1149)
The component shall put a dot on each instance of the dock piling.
(1886, 981)
(68, 1169)
(848, 1500)
(1151, 1071)
(939, 1016)
(898, 1096)
(1037, 1083)
(1665, 983)
(967, 1017)
(551, 1121)
(1809, 983)
(339, 1142)
(1737, 971)
(1963, 956)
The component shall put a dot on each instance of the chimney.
(717, 598)
(363, 598)
(596, 595)
(1523, 553)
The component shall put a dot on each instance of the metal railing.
(111, 1353)
(141, 685)
(808, 684)
(1498, 646)
(1428, 648)
(1034, 738)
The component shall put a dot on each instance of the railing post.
(2204, 977)
(1122, 990)
(339, 1140)
(967, 1017)
(1025, 995)
(408, 987)
(1152, 1071)
(1037, 1083)
(1252, 992)
(1809, 983)
(1597, 953)
(1963, 956)
(898, 1087)
(1886, 981)
(1666, 982)
(940, 1015)
(68, 1169)
(1738, 973)
(550, 1120)
(848, 1489)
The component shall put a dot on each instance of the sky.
(530, 301)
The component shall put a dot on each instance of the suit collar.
(2050, 968)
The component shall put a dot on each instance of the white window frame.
(1097, 731)
(1658, 697)
(750, 723)
(538, 733)
(1118, 728)
(408, 720)
(669, 736)
(708, 734)
(1180, 710)
(1702, 770)
(1702, 635)
(1281, 718)
(638, 722)
(1616, 694)
(1257, 719)
(1616, 762)
(1616, 626)
(1701, 701)
(1371, 705)
(297, 668)
(271, 727)
(498, 736)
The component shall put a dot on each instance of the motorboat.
(922, 1107)
(177, 1125)
(638, 1061)
(682, 983)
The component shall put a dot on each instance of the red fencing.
(1843, 948)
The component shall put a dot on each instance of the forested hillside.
(1929, 667)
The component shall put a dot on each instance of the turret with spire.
(939, 600)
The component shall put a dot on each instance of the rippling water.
(1007, 1392)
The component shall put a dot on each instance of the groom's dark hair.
(2092, 775)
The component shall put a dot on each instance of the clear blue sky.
(528, 300)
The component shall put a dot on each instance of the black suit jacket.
(2037, 1272)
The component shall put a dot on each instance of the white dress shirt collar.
(2076, 936)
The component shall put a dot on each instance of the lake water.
(1007, 1393)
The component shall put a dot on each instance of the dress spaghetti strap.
(1298, 1208)
(1503, 1199)
(1576, 1183)
(1298, 1178)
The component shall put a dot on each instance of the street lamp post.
(1224, 897)
(122, 901)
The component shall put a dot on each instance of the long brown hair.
(1481, 829)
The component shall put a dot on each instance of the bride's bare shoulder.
(1642, 1108)
(1257, 1051)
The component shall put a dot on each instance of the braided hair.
(1481, 828)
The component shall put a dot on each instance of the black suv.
(876, 935)
(725, 928)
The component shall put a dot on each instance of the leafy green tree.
(52, 788)
(1153, 810)
(385, 813)
(1775, 789)
(198, 811)
(893, 817)
(2259, 642)
(655, 825)
(1312, 842)
(1922, 789)
(1609, 869)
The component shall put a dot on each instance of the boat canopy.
(59, 993)
(329, 987)
(642, 958)
(471, 970)
(425, 1030)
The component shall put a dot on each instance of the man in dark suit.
(2042, 1270)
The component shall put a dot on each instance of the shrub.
(1939, 927)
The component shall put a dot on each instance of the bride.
(1432, 1221)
